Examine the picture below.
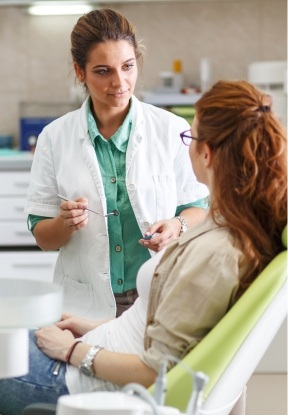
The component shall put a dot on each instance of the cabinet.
(178, 103)
(30, 265)
(19, 255)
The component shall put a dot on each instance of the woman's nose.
(118, 79)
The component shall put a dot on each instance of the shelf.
(13, 160)
(169, 98)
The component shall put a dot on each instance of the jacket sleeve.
(196, 294)
(42, 197)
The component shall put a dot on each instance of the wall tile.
(35, 55)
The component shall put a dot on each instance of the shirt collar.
(120, 137)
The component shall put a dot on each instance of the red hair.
(249, 165)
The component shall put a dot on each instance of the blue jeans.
(39, 385)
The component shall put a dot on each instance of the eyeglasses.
(186, 138)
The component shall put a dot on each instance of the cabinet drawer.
(35, 265)
(15, 233)
(14, 183)
(12, 209)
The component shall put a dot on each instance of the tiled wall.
(36, 66)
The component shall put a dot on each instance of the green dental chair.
(230, 353)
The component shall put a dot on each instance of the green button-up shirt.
(126, 254)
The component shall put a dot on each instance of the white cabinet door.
(14, 233)
(14, 183)
(12, 208)
(31, 265)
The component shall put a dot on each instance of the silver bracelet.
(86, 366)
(183, 222)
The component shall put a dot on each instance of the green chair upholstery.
(265, 299)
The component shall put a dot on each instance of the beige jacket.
(192, 288)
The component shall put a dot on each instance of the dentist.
(113, 154)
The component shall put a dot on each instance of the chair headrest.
(284, 237)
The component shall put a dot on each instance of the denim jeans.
(39, 385)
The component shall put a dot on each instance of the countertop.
(15, 160)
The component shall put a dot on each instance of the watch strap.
(183, 222)
(86, 366)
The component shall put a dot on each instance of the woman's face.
(110, 74)
(197, 155)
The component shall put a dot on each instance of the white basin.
(29, 304)
(102, 403)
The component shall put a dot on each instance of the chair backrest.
(231, 351)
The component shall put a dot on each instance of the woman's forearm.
(193, 215)
(52, 234)
(118, 368)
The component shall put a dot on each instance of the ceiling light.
(55, 8)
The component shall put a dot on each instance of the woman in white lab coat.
(114, 154)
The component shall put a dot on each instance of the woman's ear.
(80, 74)
(208, 155)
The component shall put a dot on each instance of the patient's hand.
(54, 342)
(77, 325)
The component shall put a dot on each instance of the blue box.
(30, 128)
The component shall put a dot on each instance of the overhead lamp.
(59, 8)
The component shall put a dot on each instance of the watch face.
(86, 366)
(86, 369)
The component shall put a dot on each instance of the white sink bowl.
(102, 403)
(29, 304)
(24, 304)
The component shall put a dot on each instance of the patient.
(238, 149)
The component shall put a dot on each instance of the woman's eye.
(128, 66)
(102, 71)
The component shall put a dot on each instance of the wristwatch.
(86, 366)
(183, 222)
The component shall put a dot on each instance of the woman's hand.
(54, 342)
(163, 233)
(77, 325)
(74, 213)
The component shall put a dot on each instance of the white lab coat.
(159, 177)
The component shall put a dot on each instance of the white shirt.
(124, 334)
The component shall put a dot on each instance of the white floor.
(267, 395)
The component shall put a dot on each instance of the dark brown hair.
(100, 26)
(249, 168)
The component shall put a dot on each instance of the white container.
(29, 304)
(102, 403)
(271, 77)
(205, 74)
(14, 353)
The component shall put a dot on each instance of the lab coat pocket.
(78, 296)
(166, 196)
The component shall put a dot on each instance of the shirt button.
(150, 320)
(118, 248)
(120, 281)
(131, 187)
(146, 224)
(113, 179)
